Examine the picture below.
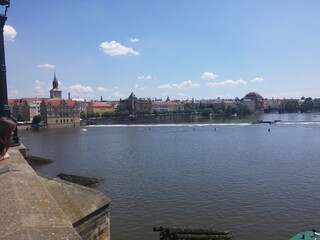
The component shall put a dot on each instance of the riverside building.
(56, 112)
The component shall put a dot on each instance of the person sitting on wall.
(7, 127)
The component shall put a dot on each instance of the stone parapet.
(86, 208)
(34, 208)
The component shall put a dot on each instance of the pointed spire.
(132, 95)
(55, 82)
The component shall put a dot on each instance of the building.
(34, 106)
(145, 105)
(273, 104)
(218, 103)
(83, 104)
(131, 103)
(60, 113)
(254, 101)
(25, 108)
(57, 112)
(167, 106)
(55, 92)
(100, 107)
(135, 105)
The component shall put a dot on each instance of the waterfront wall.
(34, 207)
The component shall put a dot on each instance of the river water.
(229, 175)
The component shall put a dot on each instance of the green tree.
(83, 115)
(121, 108)
(107, 114)
(228, 110)
(242, 109)
(190, 107)
(316, 104)
(122, 113)
(307, 105)
(220, 111)
(292, 105)
(207, 111)
(155, 112)
(246, 110)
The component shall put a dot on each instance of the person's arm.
(6, 156)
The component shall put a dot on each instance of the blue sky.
(200, 49)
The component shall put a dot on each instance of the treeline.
(306, 105)
(207, 109)
(203, 109)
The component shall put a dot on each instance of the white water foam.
(170, 125)
(300, 123)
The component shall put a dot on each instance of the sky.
(184, 49)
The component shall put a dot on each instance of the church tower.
(55, 92)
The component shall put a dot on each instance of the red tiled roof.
(101, 104)
(11, 101)
(57, 102)
(167, 103)
(70, 102)
(31, 99)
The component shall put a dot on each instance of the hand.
(6, 156)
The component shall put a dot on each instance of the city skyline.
(185, 50)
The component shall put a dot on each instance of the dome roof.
(253, 95)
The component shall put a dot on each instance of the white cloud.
(183, 85)
(186, 84)
(39, 88)
(12, 93)
(134, 40)
(257, 80)
(46, 65)
(227, 83)
(181, 94)
(165, 86)
(147, 77)
(9, 33)
(209, 75)
(139, 88)
(116, 49)
(117, 94)
(102, 89)
(81, 89)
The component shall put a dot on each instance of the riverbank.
(169, 119)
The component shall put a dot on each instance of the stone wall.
(86, 208)
(95, 226)
(33, 207)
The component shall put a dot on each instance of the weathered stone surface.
(86, 208)
(28, 210)
(75, 200)
(35, 208)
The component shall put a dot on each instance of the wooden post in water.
(191, 234)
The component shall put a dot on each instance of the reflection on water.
(236, 176)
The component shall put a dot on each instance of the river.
(230, 175)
